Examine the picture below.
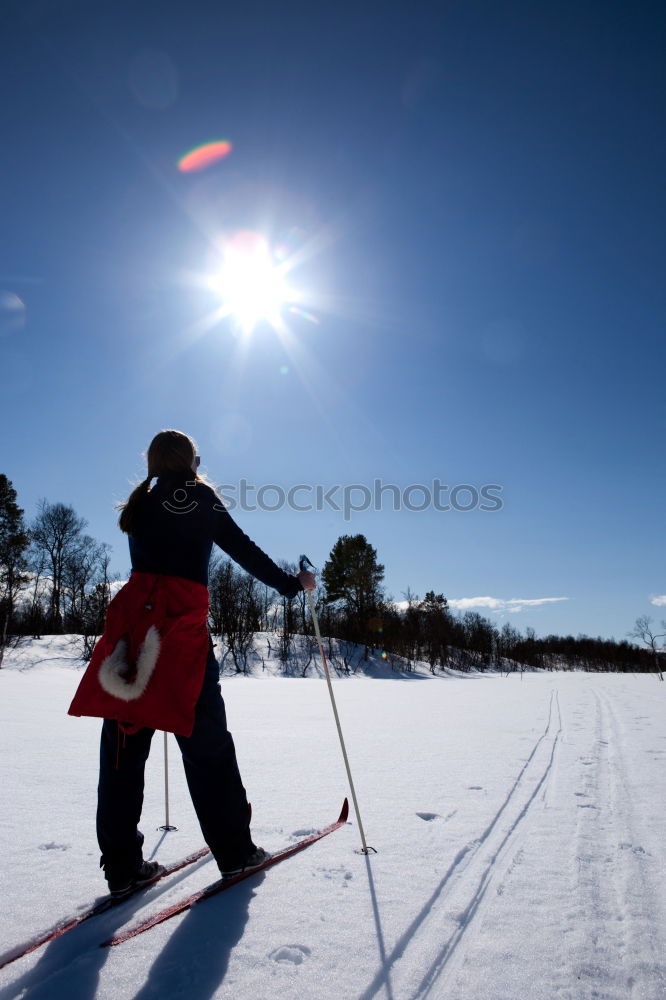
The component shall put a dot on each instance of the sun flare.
(251, 285)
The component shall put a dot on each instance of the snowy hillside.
(519, 825)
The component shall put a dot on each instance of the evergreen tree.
(352, 577)
(436, 628)
(13, 563)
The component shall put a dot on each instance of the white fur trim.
(114, 666)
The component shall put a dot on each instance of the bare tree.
(86, 565)
(507, 643)
(57, 531)
(234, 610)
(286, 633)
(36, 612)
(643, 630)
(268, 609)
(310, 649)
(96, 600)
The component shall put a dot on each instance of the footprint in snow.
(428, 817)
(291, 954)
(634, 850)
(475, 788)
(334, 873)
(52, 846)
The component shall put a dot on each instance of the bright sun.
(251, 285)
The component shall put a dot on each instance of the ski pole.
(304, 562)
(167, 826)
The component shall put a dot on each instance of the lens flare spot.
(204, 156)
(284, 369)
(310, 317)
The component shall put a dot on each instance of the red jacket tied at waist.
(147, 669)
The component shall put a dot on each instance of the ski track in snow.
(454, 905)
(615, 903)
(615, 913)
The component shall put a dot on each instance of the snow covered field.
(519, 826)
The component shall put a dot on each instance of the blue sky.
(472, 199)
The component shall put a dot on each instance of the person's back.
(176, 525)
(174, 538)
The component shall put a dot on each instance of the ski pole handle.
(306, 567)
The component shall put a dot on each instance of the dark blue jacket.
(178, 523)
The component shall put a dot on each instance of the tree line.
(55, 578)
(355, 607)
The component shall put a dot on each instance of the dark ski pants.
(213, 778)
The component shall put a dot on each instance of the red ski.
(223, 884)
(101, 906)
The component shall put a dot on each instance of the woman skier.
(155, 668)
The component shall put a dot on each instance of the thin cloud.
(498, 604)
(659, 600)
